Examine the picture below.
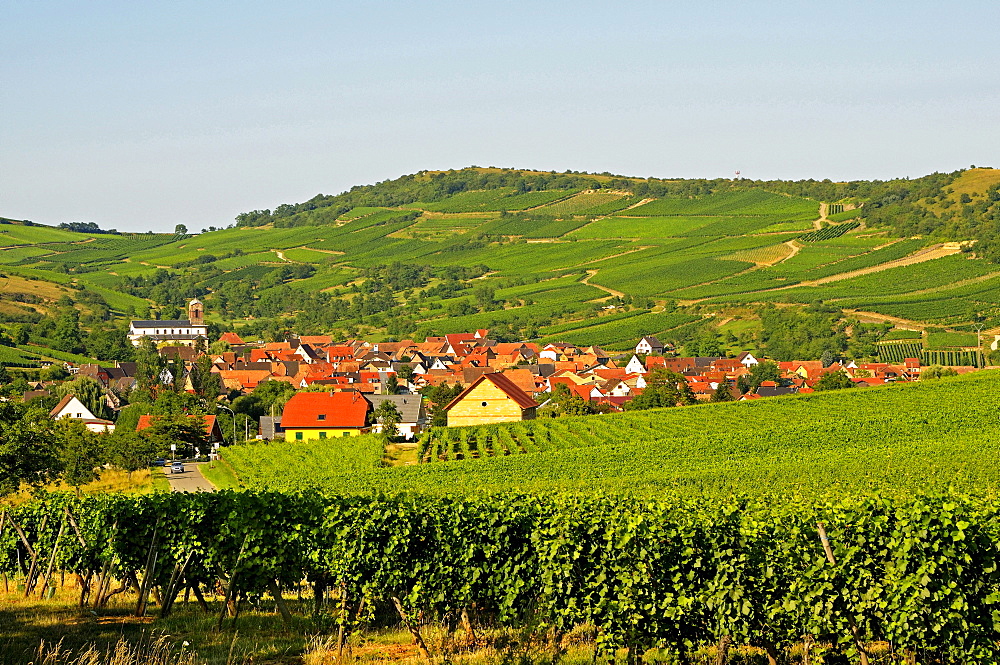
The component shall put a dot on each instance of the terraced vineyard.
(829, 232)
(891, 439)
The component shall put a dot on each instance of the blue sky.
(142, 115)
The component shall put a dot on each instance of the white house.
(71, 407)
(180, 331)
(635, 366)
(747, 360)
(649, 344)
(413, 418)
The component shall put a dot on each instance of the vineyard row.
(918, 573)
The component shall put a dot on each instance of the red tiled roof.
(342, 409)
(315, 339)
(231, 338)
(146, 421)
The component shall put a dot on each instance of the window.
(346, 434)
(322, 435)
(298, 436)
(484, 403)
(321, 416)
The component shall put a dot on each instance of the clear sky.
(141, 115)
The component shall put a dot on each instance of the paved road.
(190, 480)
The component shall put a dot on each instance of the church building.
(182, 331)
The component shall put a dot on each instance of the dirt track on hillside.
(586, 280)
(928, 254)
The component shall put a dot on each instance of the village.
(345, 388)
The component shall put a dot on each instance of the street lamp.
(234, 420)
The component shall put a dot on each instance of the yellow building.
(324, 416)
(492, 398)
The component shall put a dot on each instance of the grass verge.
(221, 475)
(159, 479)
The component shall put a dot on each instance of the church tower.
(196, 312)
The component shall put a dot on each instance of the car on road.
(159, 461)
(177, 467)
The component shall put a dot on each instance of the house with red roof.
(231, 338)
(313, 416)
(211, 424)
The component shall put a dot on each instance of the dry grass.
(159, 651)
(111, 480)
(763, 256)
(48, 291)
(973, 182)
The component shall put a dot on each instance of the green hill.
(530, 254)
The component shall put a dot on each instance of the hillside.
(893, 440)
(577, 257)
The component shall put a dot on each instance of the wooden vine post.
(855, 634)
(147, 576)
(52, 557)
(414, 630)
(29, 584)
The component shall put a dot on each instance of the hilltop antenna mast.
(737, 175)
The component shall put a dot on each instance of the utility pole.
(979, 341)
(234, 420)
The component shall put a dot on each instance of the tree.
(834, 381)
(180, 230)
(148, 365)
(271, 397)
(389, 417)
(937, 372)
(26, 451)
(439, 397)
(90, 392)
(219, 347)
(392, 385)
(765, 371)
(66, 336)
(563, 402)
(130, 451)
(827, 358)
(110, 345)
(54, 372)
(722, 393)
(206, 383)
(405, 372)
(179, 429)
(81, 453)
(663, 388)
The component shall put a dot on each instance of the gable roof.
(409, 406)
(166, 323)
(521, 398)
(64, 402)
(339, 409)
(211, 426)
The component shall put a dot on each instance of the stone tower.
(196, 312)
